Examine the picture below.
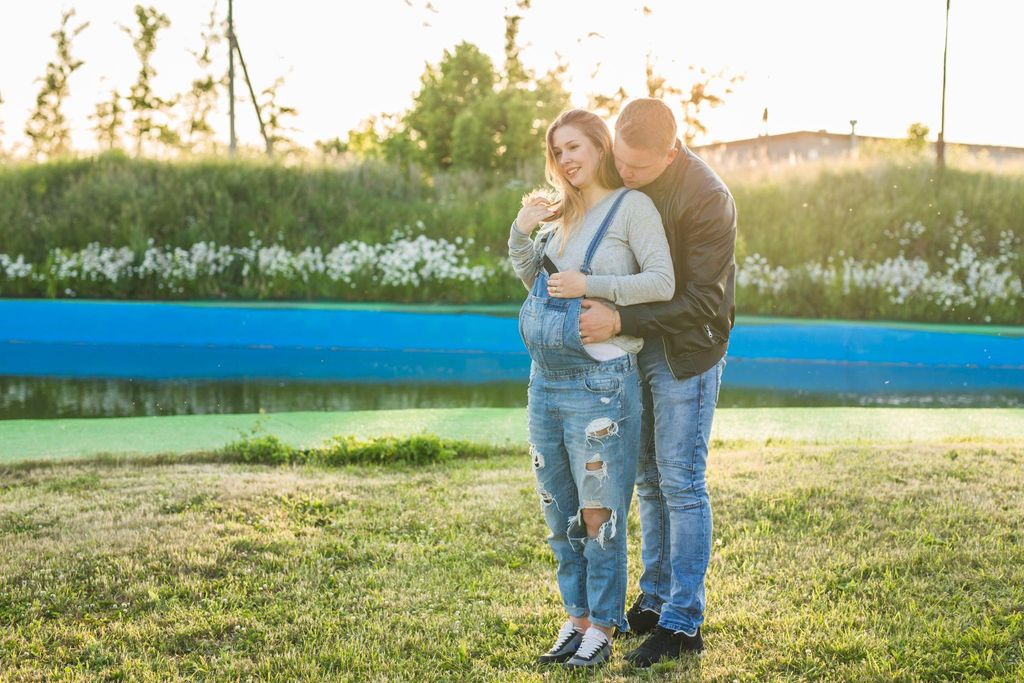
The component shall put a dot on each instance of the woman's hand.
(531, 215)
(568, 285)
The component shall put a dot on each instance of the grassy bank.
(789, 219)
(832, 562)
(882, 239)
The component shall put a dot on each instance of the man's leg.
(683, 413)
(655, 547)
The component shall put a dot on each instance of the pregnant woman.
(600, 241)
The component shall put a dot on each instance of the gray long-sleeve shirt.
(632, 264)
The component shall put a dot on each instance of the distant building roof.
(840, 137)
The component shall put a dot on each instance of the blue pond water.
(60, 358)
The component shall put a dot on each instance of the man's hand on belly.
(598, 322)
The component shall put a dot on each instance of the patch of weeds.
(309, 511)
(81, 482)
(202, 502)
(263, 450)
(24, 523)
(422, 449)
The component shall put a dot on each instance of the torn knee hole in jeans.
(601, 428)
(546, 498)
(605, 532)
(592, 487)
(538, 457)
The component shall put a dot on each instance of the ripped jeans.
(584, 439)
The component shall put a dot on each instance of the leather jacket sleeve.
(707, 243)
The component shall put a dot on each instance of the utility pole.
(233, 144)
(940, 147)
(233, 49)
(255, 104)
(767, 143)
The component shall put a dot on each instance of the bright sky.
(815, 64)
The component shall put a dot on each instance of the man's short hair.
(647, 123)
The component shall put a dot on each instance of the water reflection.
(36, 397)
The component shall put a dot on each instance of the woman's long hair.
(568, 201)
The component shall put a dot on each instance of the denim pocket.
(540, 326)
(603, 385)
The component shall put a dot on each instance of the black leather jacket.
(699, 214)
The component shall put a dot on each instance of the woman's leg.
(602, 435)
(556, 489)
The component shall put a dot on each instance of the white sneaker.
(565, 645)
(595, 649)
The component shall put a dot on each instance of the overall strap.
(602, 231)
(544, 239)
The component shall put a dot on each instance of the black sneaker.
(665, 644)
(565, 646)
(595, 650)
(641, 620)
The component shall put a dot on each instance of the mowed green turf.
(831, 562)
(26, 439)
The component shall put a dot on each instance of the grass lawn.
(840, 561)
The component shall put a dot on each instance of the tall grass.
(788, 218)
(118, 201)
(842, 217)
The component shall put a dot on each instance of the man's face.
(639, 166)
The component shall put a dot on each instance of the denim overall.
(584, 419)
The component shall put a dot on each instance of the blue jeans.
(584, 439)
(672, 495)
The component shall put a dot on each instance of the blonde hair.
(647, 123)
(565, 200)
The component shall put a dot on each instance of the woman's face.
(577, 157)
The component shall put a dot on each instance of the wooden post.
(940, 147)
(233, 141)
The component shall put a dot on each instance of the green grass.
(843, 562)
(70, 438)
(119, 201)
(788, 217)
(845, 210)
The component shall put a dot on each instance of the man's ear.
(671, 155)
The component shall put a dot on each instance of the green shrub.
(261, 450)
(422, 449)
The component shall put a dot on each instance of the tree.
(47, 129)
(273, 114)
(917, 136)
(462, 78)
(609, 105)
(201, 99)
(108, 120)
(703, 90)
(1, 129)
(468, 115)
(515, 73)
(364, 142)
(506, 129)
(386, 136)
(147, 109)
(332, 148)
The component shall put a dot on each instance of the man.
(685, 341)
